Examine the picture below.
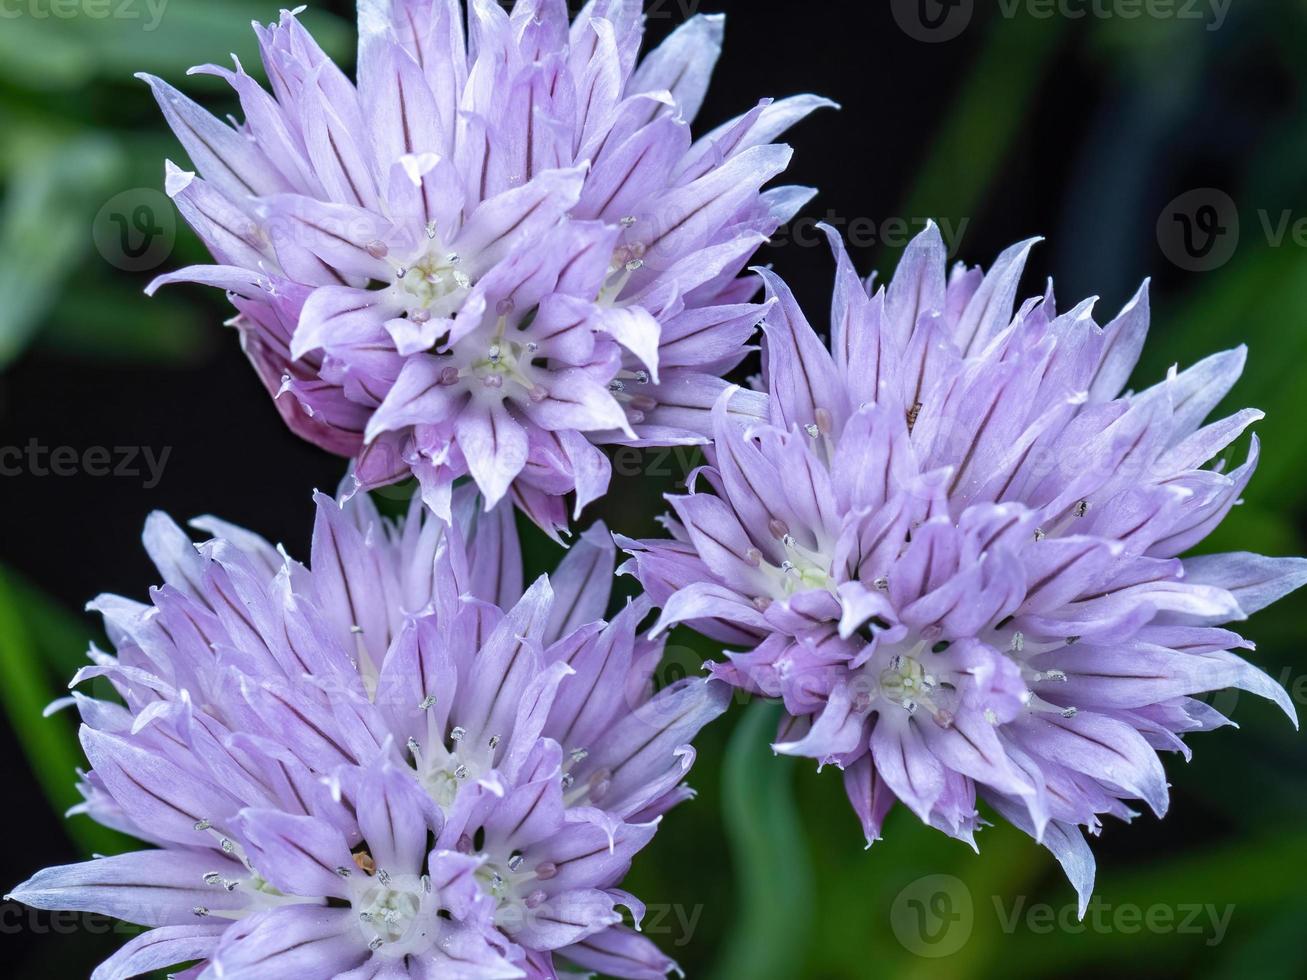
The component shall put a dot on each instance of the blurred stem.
(25, 690)
(990, 110)
(773, 872)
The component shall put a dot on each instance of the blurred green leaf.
(990, 111)
(35, 57)
(775, 887)
(164, 37)
(111, 321)
(1199, 880)
(45, 230)
(1273, 951)
(27, 686)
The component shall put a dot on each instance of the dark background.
(1107, 133)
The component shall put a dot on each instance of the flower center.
(514, 886)
(433, 285)
(801, 570)
(907, 683)
(506, 361)
(902, 677)
(394, 913)
(628, 259)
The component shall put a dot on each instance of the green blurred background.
(1109, 133)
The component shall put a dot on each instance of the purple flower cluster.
(497, 250)
(948, 541)
(393, 763)
(952, 550)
